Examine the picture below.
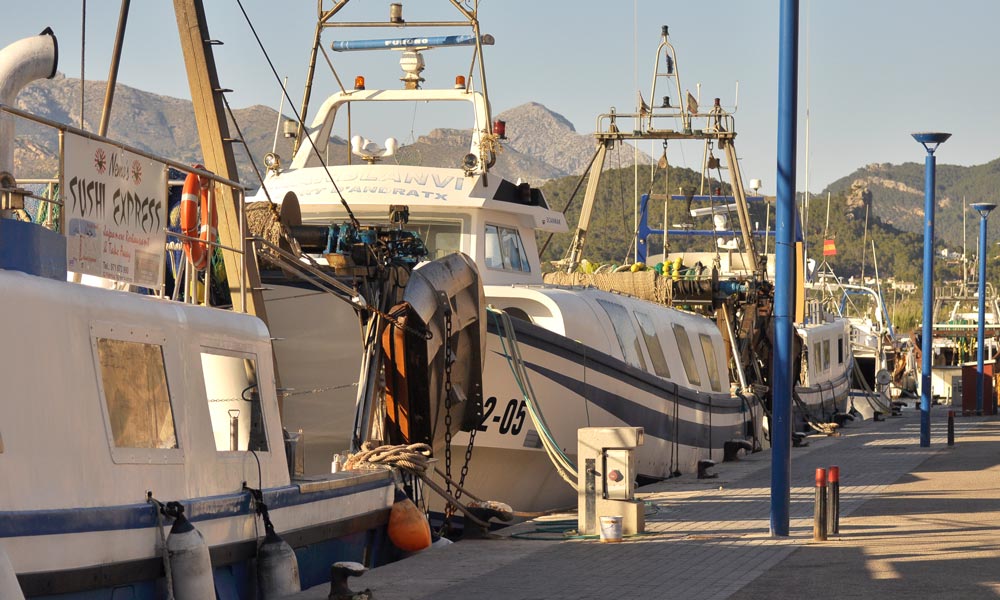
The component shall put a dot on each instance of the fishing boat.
(733, 282)
(558, 357)
(142, 445)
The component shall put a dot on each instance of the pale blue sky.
(878, 69)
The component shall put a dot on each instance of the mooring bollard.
(819, 514)
(833, 505)
(951, 428)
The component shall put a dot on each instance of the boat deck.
(915, 522)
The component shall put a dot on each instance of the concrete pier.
(914, 523)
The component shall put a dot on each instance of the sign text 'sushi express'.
(90, 199)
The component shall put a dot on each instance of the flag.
(829, 248)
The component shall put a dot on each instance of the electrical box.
(606, 480)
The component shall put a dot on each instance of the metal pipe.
(21, 63)
(234, 429)
(116, 55)
(819, 509)
(951, 428)
(784, 276)
(833, 505)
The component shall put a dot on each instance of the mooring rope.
(413, 458)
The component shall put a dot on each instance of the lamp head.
(930, 140)
(983, 208)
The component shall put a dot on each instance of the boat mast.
(217, 152)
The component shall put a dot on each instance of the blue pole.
(928, 328)
(930, 142)
(984, 211)
(784, 278)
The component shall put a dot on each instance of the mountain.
(542, 144)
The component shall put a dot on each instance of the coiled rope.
(412, 458)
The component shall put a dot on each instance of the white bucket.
(611, 529)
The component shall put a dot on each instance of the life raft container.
(198, 250)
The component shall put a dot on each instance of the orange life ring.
(192, 226)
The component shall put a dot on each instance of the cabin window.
(648, 329)
(625, 332)
(134, 382)
(826, 354)
(440, 237)
(840, 350)
(687, 354)
(713, 367)
(817, 359)
(233, 393)
(504, 249)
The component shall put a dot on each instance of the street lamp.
(983, 208)
(930, 142)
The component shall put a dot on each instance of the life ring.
(192, 226)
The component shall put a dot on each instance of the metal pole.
(116, 55)
(784, 291)
(930, 142)
(819, 508)
(983, 209)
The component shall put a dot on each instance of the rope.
(158, 507)
(412, 458)
(564, 466)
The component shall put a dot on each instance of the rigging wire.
(298, 117)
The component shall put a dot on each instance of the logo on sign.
(100, 161)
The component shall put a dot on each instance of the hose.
(505, 329)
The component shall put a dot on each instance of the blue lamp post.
(983, 208)
(930, 142)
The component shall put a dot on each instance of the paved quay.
(915, 522)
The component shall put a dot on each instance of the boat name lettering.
(371, 189)
(439, 182)
(512, 420)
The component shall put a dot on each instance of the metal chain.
(449, 509)
(427, 335)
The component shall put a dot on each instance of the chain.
(427, 335)
(449, 509)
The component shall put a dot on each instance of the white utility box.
(606, 480)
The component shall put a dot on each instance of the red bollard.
(819, 514)
(951, 428)
(833, 506)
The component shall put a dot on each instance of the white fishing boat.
(590, 357)
(125, 414)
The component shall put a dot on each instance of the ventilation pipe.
(21, 63)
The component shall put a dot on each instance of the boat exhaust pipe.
(21, 63)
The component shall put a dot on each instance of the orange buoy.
(194, 226)
(408, 527)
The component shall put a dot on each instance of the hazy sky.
(877, 69)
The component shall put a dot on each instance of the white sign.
(116, 211)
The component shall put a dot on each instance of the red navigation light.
(500, 129)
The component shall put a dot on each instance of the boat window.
(440, 237)
(826, 354)
(687, 354)
(504, 249)
(713, 367)
(233, 394)
(625, 332)
(840, 350)
(134, 382)
(817, 361)
(648, 329)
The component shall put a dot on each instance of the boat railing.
(715, 124)
(53, 188)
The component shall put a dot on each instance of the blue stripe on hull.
(140, 516)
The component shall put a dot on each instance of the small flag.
(829, 248)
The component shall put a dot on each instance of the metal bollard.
(833, 504)
(951, 428)
(819, 514)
